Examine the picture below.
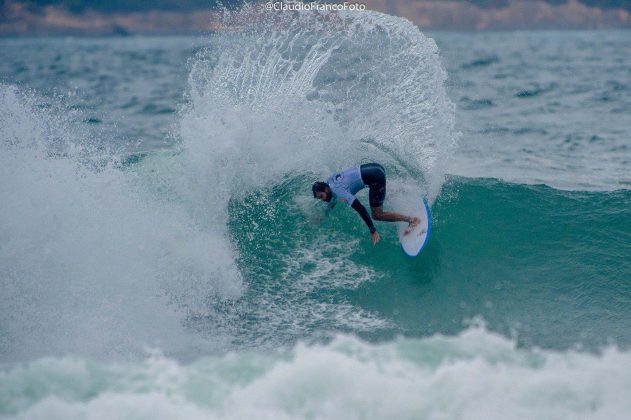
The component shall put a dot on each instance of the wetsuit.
(344, 185)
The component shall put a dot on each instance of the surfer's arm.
(359, 208)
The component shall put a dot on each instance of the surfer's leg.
(390, 216)
(374, 175)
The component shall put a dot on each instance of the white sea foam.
(475, 375)
(87, 264)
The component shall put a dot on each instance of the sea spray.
(88, 264)
(314, 92)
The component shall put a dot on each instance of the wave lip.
(327, 89)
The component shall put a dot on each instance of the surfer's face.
(323, 195)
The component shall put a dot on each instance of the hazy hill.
(188, 5)
(128, 5)
(120, 17)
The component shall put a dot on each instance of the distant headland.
(161, 17)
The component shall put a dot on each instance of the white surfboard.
(415, 241)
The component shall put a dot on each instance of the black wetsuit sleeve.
(357, 206)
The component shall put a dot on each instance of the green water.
(544, 265)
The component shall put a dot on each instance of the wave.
(481, 62)
(217, 245)
(549, 265)
(473, 374)
(102, 256)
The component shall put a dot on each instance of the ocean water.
(161, 255)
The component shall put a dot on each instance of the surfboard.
(415, 241)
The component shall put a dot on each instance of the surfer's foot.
(414, 223)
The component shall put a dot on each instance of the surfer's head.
(321, 191)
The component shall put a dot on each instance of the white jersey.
(344, 185)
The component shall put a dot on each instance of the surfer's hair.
(319, 187)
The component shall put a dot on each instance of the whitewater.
(161, 255)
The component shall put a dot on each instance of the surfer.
(345, 184)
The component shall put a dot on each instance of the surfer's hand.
(375, 237)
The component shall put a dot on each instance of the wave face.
(546, 265)
(470, 376)
(551, 264)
